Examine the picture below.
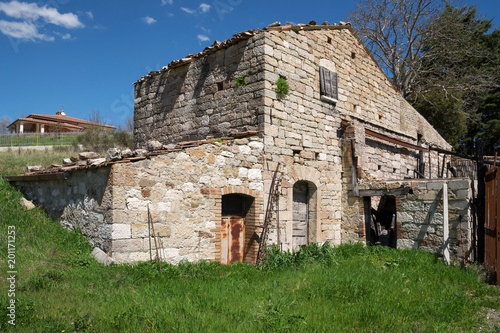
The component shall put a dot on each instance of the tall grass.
(15, 161)
(349, 288)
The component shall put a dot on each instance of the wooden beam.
(381, 192)
(46, 176)
(392, 140)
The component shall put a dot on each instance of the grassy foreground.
(350, 288)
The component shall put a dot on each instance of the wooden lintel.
(395, 141)
(35, 177)
(381, 192)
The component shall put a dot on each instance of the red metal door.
(232, 239)
(492, 223)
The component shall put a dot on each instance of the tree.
(441, 59)
(458, 69)
(4, 122)
(392, 30)
(96, 117)
(127, 126)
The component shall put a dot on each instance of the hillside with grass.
(350, 288)
(59, 287)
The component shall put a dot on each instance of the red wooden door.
(492, 222)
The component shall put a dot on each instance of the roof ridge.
(276, 26)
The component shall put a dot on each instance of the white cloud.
(32, 12)
(205, 7)
(202, 38)
(90, 15)
(23, 30)
(149, 20)
(187, 10)
(166, 2)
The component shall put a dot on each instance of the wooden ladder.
(265, 227)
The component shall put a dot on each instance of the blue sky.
(85, 55)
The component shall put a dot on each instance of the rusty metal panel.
(232, 239)
(492, 227)
(224, 245)
(237, 239)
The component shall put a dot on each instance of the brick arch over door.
(252, 218)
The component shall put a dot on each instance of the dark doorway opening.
(380, 220)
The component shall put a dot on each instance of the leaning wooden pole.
(446, 244)
(154, 237)
(263, 237)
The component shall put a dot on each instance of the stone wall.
(420, 217)
(303, 131)
(183, 191)
(419, 214)
(80, 202)
(201, 99)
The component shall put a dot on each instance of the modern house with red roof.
(60, 122)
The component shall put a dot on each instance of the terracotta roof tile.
(40, 121)
(66, 119)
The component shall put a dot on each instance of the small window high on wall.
(328, 85)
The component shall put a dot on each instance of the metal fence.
(38, 139)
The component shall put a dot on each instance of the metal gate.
(492, 223)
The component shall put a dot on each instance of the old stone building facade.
(339, 136)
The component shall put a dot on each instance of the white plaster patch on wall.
(245, 150)
(187, 187)
(242, 172)
(121, 231)
(234, 182)
(182, 156)
(205, 179)
(137, 204)
(227, 154)
(164, 206)
(133, 193)
(255, 174)
(256, 145)
(256, 186)
(220, 160)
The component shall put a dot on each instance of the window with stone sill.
(328, 85)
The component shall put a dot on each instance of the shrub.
(99, 140)
(282, 87)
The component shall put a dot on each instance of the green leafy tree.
(444, 61)
(457, 73)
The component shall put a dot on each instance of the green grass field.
(15, 161)
(352, 288)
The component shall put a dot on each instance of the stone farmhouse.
(305, 105)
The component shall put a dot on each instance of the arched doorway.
(235, 208)
(304, 214)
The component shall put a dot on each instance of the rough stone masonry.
(221, 129)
